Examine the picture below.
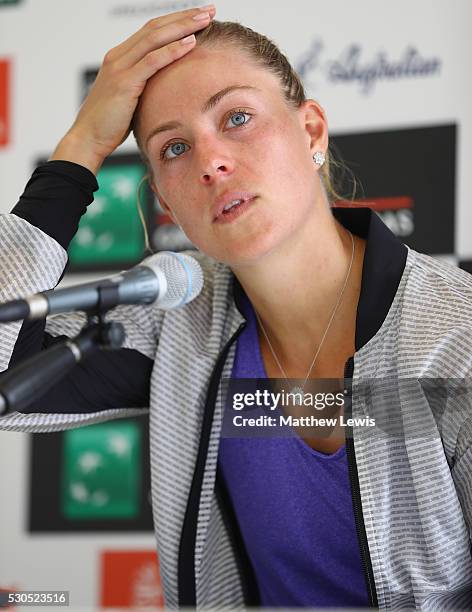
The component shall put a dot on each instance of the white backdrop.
(50, 44)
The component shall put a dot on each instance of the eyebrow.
(209, 104)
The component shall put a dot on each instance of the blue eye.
(177, 148)
(239, 117)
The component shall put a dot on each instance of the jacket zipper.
(187, 595)
(356, 494)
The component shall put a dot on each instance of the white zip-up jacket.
(411, 479)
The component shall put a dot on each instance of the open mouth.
(234, 210)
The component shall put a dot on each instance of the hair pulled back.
(265, 53)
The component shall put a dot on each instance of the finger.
(158, 59)
(165, 19)
(151, 26)
(159, 38)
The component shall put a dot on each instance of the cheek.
(278, 148)
(172, 186)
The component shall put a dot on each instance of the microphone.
(168, 279)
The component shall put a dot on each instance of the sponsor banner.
(150, 8)
(93, 478)
(400, 175)
(130, 578)
(111, 233)
(353, 67)
(5, 68)
(101, 471)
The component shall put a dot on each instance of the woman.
(293, 290)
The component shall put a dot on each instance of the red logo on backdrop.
(388, 203)
(416, 202)
(4, 102)
(130, 578)
(395, 211)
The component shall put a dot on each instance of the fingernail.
(201, 16)
(208, 7)
(188, 39)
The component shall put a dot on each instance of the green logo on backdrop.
(7, 2)
(102, 471)
(111, 230)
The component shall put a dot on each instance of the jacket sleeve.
(33, 256)
(462, 472)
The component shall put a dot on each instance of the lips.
(228, 197)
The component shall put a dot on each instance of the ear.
(162, 202)
(313, 121)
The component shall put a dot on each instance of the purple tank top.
(294, 508)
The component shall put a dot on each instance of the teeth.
(231, 204)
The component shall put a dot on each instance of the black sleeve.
(105, 379)
(54, 199)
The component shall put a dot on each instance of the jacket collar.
(384, 262)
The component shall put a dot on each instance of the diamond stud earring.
(319, 158)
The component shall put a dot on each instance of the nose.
(214, 163)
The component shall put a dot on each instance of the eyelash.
(239, 111)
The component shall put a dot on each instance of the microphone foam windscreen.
(184, 278)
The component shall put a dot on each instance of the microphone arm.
(28, 381)
(166, 279)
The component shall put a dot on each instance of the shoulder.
(441, 286)
(216, 296)
(434, 322)
(206, 322)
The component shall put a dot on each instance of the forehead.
(185, 83)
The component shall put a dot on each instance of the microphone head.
(183, 274)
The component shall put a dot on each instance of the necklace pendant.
(298, 395)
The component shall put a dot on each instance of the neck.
(295, 289)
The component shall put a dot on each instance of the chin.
(248, 251)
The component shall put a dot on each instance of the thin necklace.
(300, 391)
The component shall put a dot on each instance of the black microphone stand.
(32, 378)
